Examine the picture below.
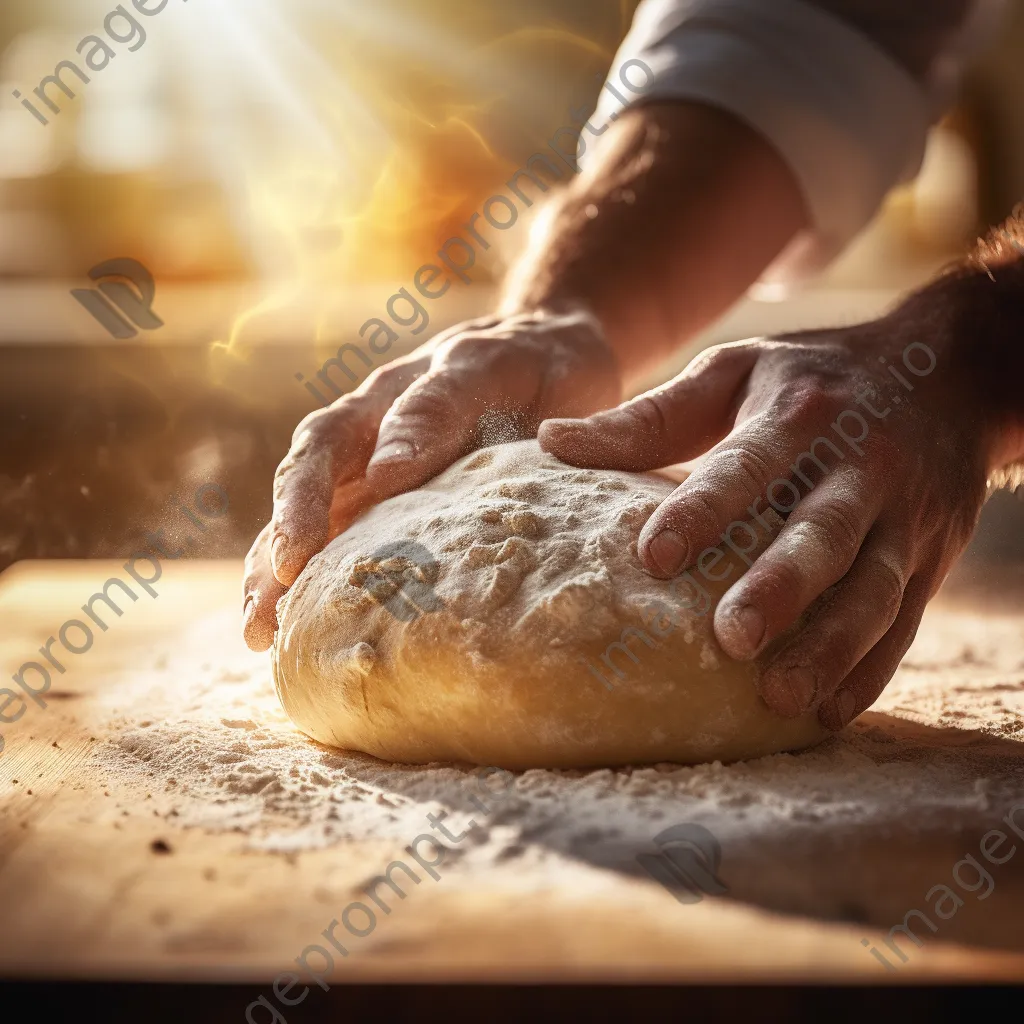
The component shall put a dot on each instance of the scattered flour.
(941, 755)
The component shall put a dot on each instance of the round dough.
(475, 619)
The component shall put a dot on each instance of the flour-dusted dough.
(497, 647)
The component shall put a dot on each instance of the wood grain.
(84, 893)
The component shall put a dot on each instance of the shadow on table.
(840, 857)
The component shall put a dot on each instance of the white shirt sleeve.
(825, 89)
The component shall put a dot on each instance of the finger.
(741, 479)
(350, 501)
(865, 683)
(473, 389)
(329, 448)
(674, 422)
(815, 549)
(260, 593)
(811, 668)
(261, 589)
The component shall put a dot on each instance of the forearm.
(758, 120)
(987, 329)
(959, 342)
(680, 212)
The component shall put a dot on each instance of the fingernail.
(745, 628)
(565, 439)
(393, 451)
(847, 704)
(839, 711)
(564, 426)
(789, 692)
(278, 551)
(668, 552)
(250, 605)
(587, 428)
(802, 687)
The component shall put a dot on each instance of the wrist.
(679, 211)
(575, 316)
(973, 317)
(545, 310)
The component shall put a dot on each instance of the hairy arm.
(771, 132)
(876, 443)
(677, 216)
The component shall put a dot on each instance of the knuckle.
(868, 683)
(443, 340)
(281, 490)
(752, 467)
(431, 398)
(480, 353)
(257, 554)
(718, 357)
(388, 379)
(464, 345)
(650, 414)
(324, 425)
(283, 471)
(780, 580)
(905, 641)
(833, 647)
(745, 466)
(308, 464)
(484, 323)
(835, 530)
(350, 412)
(808, 401)
(706, 361)
(475, 341)
(697, 514)
(309, 426)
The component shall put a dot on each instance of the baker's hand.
(482, 382)
(865, 440)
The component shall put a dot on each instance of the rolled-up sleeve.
(828, 89)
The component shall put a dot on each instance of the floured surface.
(941, 755)
(190, 745)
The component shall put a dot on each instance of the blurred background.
(281, 167)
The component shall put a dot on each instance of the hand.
(875, 519)
(479, 383)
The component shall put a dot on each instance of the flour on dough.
(499, 615)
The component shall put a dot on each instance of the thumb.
(675, 422)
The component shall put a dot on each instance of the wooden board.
(84, 893)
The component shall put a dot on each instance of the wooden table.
(84, 893)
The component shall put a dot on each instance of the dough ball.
(499, 615)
